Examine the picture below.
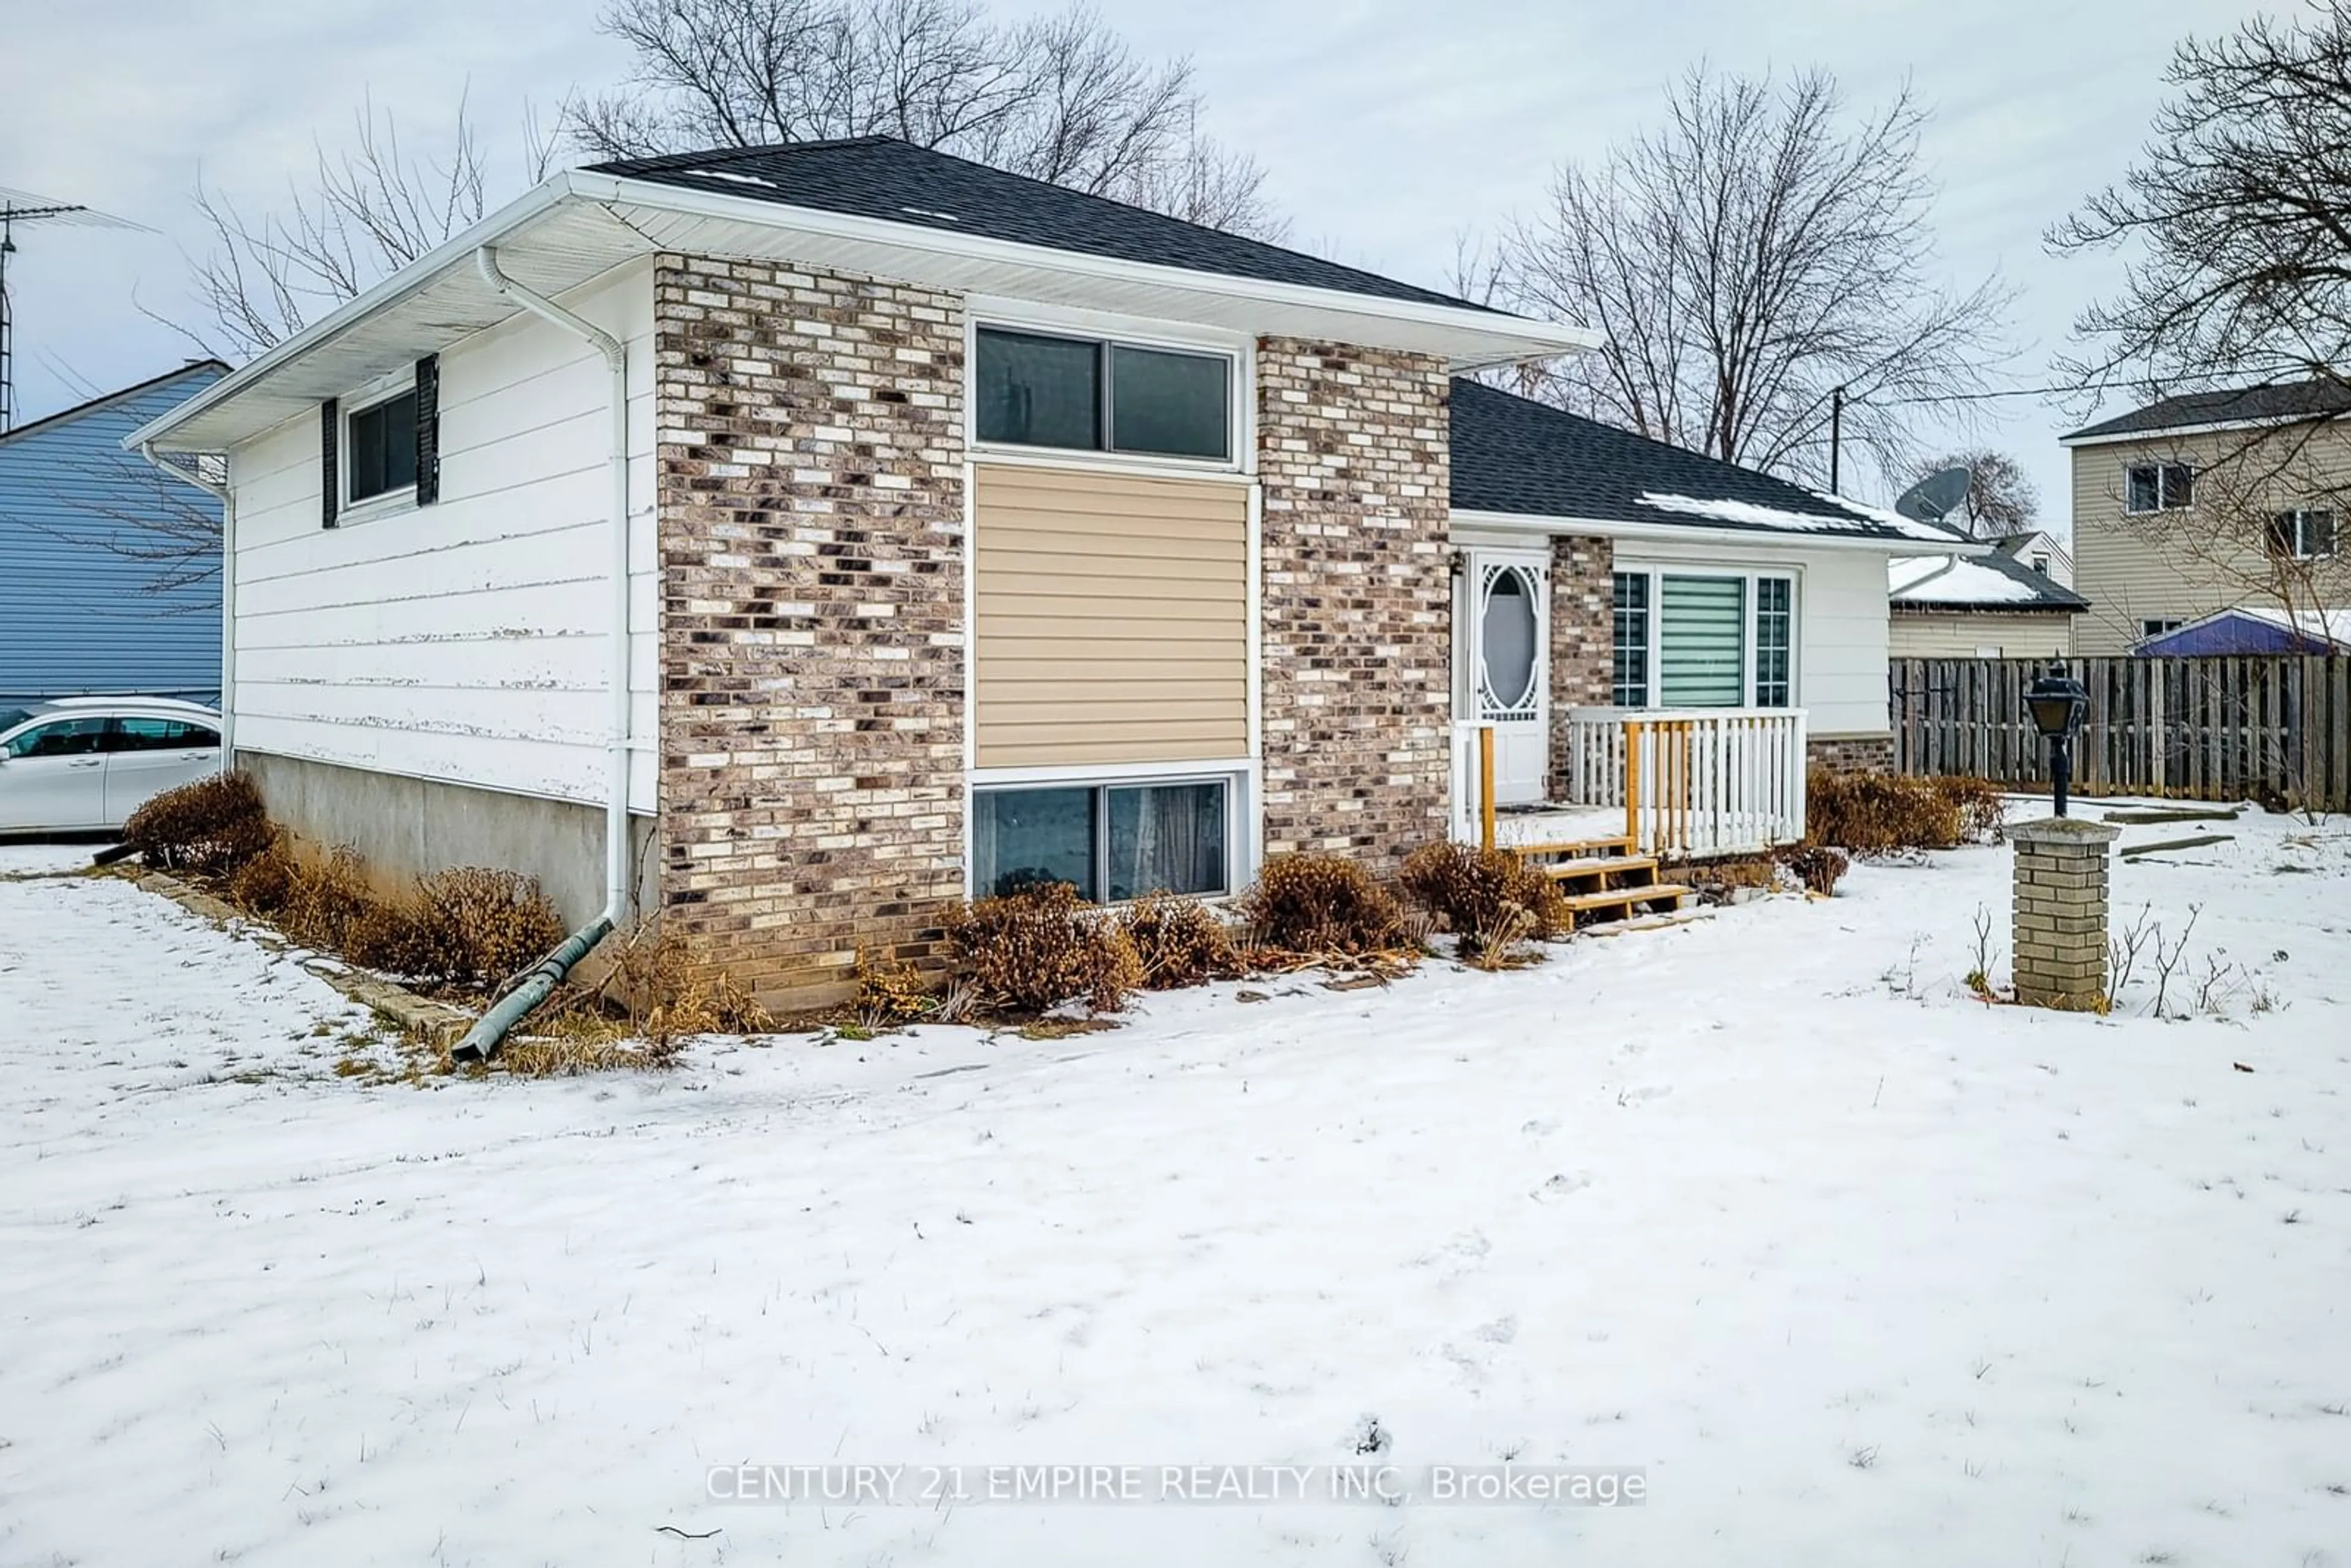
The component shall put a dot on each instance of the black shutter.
(330, 484)
(428, 430)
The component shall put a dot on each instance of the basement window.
(1033, 388)
(1112, 843)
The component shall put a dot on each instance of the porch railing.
(1692, 782)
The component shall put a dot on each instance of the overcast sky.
(1388, 127)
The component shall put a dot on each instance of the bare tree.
(2239, 211)
(1063, 99)
(2002, 500)
(365, 210)
(1756, 250)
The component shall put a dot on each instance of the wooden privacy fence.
(2270, 726)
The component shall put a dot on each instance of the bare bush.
(1030, 951)
(1322, 904)
(1179, 942)
(1489, 898)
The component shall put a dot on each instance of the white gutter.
(226, 495)
(485, 1034)
(1700, 533)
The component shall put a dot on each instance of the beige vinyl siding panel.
(1112, 618)
(1958, 635)
(2186, 564)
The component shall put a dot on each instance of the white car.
(85, 764)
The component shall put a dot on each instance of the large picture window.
(1110, 841)
(1034, 388)
(1703, 640)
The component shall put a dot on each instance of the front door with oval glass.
(1508, 664)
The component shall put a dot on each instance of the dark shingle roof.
(2282, 401)
(2047, 592)
(881, 177)
(1514, 454)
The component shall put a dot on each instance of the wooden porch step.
(1601, 869)
(1572, 848)
(1658, 898)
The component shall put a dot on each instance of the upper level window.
(380, 442)
(1031, 389)
(2306, 534)
(2161, 486)
(2158, 626)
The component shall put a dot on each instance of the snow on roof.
(1827, 521)
(2331, 624)
(1948, 579)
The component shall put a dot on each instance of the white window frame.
(2160, 625)
(1656, 571)
(373, 395)
(1238, 777)
(1108, 331)
(2299, 548)
(2163, 502)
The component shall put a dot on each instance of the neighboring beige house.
(797, 541)
(2206, 502)
(1990, 606)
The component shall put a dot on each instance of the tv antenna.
(22, 208)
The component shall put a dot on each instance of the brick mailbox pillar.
(2060, 937)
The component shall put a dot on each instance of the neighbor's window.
(380, 443)
(1032, 388)
(2161, 486)
(2306, 534)
(1631, 679)
(1110, 841)
(2157, 628)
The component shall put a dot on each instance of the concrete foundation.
(405, 828)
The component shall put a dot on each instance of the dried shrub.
(1032, 950)
(1321, 904)
(325, 898)
(1490, 899)
(471, 926)
(890, 993)
(1178, 942)
(264, 885)
(384, 934)
(1878, 813)
(657, 991)
(210, 828)
(1817, 866)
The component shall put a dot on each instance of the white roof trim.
(603, 221)
(2214, 427)
(1698, 533)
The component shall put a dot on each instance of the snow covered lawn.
(1857, 1269)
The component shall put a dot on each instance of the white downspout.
(226, 497)
(483, 1037)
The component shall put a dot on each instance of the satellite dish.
(1936, 494)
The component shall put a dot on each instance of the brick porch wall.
(1851, 753)
(1353, 461)
(811, 651)
(1582, 639)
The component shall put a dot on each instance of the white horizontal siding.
(465, 640)
(1840, 612)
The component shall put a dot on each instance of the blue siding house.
(102, 586)
(2253, 630)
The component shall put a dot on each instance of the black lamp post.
(2057, 702)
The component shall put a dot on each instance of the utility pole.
(1836, 434)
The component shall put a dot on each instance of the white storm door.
(1510, 666)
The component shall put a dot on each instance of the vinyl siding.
(1841, 614)
(2169, 565)
(464, 641)
(1960, 634)
(1112, 618)
(75, 615)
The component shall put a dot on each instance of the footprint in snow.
(1542, 1129)
(1647, 1092)
(1561, 1186)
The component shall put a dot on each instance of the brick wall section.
(1582, 639)
(1352, 458)
(812, 651)
(1851, 753)
(2059, 928)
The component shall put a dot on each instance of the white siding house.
(464, 639)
